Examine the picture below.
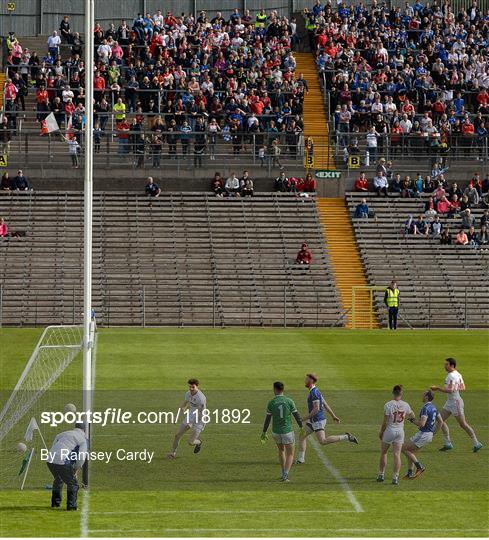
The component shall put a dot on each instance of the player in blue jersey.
(430, 421)
(315, 420)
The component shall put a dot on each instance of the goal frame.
(356, 290)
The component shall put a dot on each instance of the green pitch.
(231, 488)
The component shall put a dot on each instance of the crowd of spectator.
(181, 79)
(414, 78)
(441, 200)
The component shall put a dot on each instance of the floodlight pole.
(88, 210)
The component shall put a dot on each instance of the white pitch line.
(251, 530)
(257, 511)
(335, 473)
(85, 505)
(85, 509)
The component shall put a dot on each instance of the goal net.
(52, 378)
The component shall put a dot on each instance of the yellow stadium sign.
(309, 154)
(10, 6)
(354, 162)
(3, 160)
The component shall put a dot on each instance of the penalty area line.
(335, 473)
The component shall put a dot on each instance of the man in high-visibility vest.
(261, 19)
(391, 300)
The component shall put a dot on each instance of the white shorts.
(284, 438)
(194, 428)
(320, 425)
(422, 438)
(393, 436)
(455, 407)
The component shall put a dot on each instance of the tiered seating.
(188, 260)
(440, 285)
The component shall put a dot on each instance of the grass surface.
(231, 487)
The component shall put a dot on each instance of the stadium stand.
(237, 72)
(199, 260)
(416, 74)
(441, 285)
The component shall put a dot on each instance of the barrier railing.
(142, 149)
(144, 307)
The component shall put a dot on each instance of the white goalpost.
(88, 334)
(59, 370)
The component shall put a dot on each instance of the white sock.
(301, 455)
(343, 437)
(447, 440)
(474, 439)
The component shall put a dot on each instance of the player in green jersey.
(280, 411)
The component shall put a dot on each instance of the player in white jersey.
(191, 411)
(392, 432)
(454, 405)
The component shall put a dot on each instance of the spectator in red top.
(10, 94)
(310, 183)
(3, 228)
(361, 184)
(123, 129)
(483, 98)
(98, 86)
(42, 95)
(443, 206)
(304, 256)
(468, 131)
(322, 39)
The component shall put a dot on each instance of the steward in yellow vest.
(391, 300)
(261, 19)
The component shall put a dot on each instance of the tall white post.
(88, 204)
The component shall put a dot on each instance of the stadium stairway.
(347, 266)
(315, 120)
